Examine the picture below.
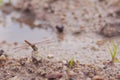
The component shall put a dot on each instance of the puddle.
(12, 31)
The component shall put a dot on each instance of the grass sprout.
(71, 63)
(113, 52)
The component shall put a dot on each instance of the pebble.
(3, 57)
(98, 78)
(100, 42)
(71, 79)
(50, 56)
(14, 78)
(64, 62)
(1, 52)
(60, 28)
(118, 76)
(110, 31)
(88, 79)
(54, 75)
(72, 73)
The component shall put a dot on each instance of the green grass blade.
(114, 49)
(117, 60)
(71, 62)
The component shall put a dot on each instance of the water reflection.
(12, 31)
(15, 33)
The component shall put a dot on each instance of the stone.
(2, 57)
(54, 75)
(50, 56)
(14, 78)
(88, 79)
(98, 78)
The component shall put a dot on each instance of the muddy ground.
(61, 30)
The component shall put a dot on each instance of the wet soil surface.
(78, 29)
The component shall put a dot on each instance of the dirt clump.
(111, 30)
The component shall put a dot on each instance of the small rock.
(14, 78)
(2, 57)
(30, 70)
(54, 75)
(100, 42)
(1, 52)
(88, 79)
(50, 56)
(22, 61)
(71, 73)
(94, 48)
(64, 62)
(40, 72)
(60, 28)
(98, 78)
(71, 79)
(118, 76)
(15, 43)
(110, 30)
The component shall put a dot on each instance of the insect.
(33, 46)
(46, 46)
(42, 43)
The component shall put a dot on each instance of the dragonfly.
(28, 44)
(48, 44)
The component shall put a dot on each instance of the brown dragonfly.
(28, 44)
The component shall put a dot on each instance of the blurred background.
(60, 27)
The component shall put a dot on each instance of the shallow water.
(12, 31)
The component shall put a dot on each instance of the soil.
(61, 30)
(26, 69)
